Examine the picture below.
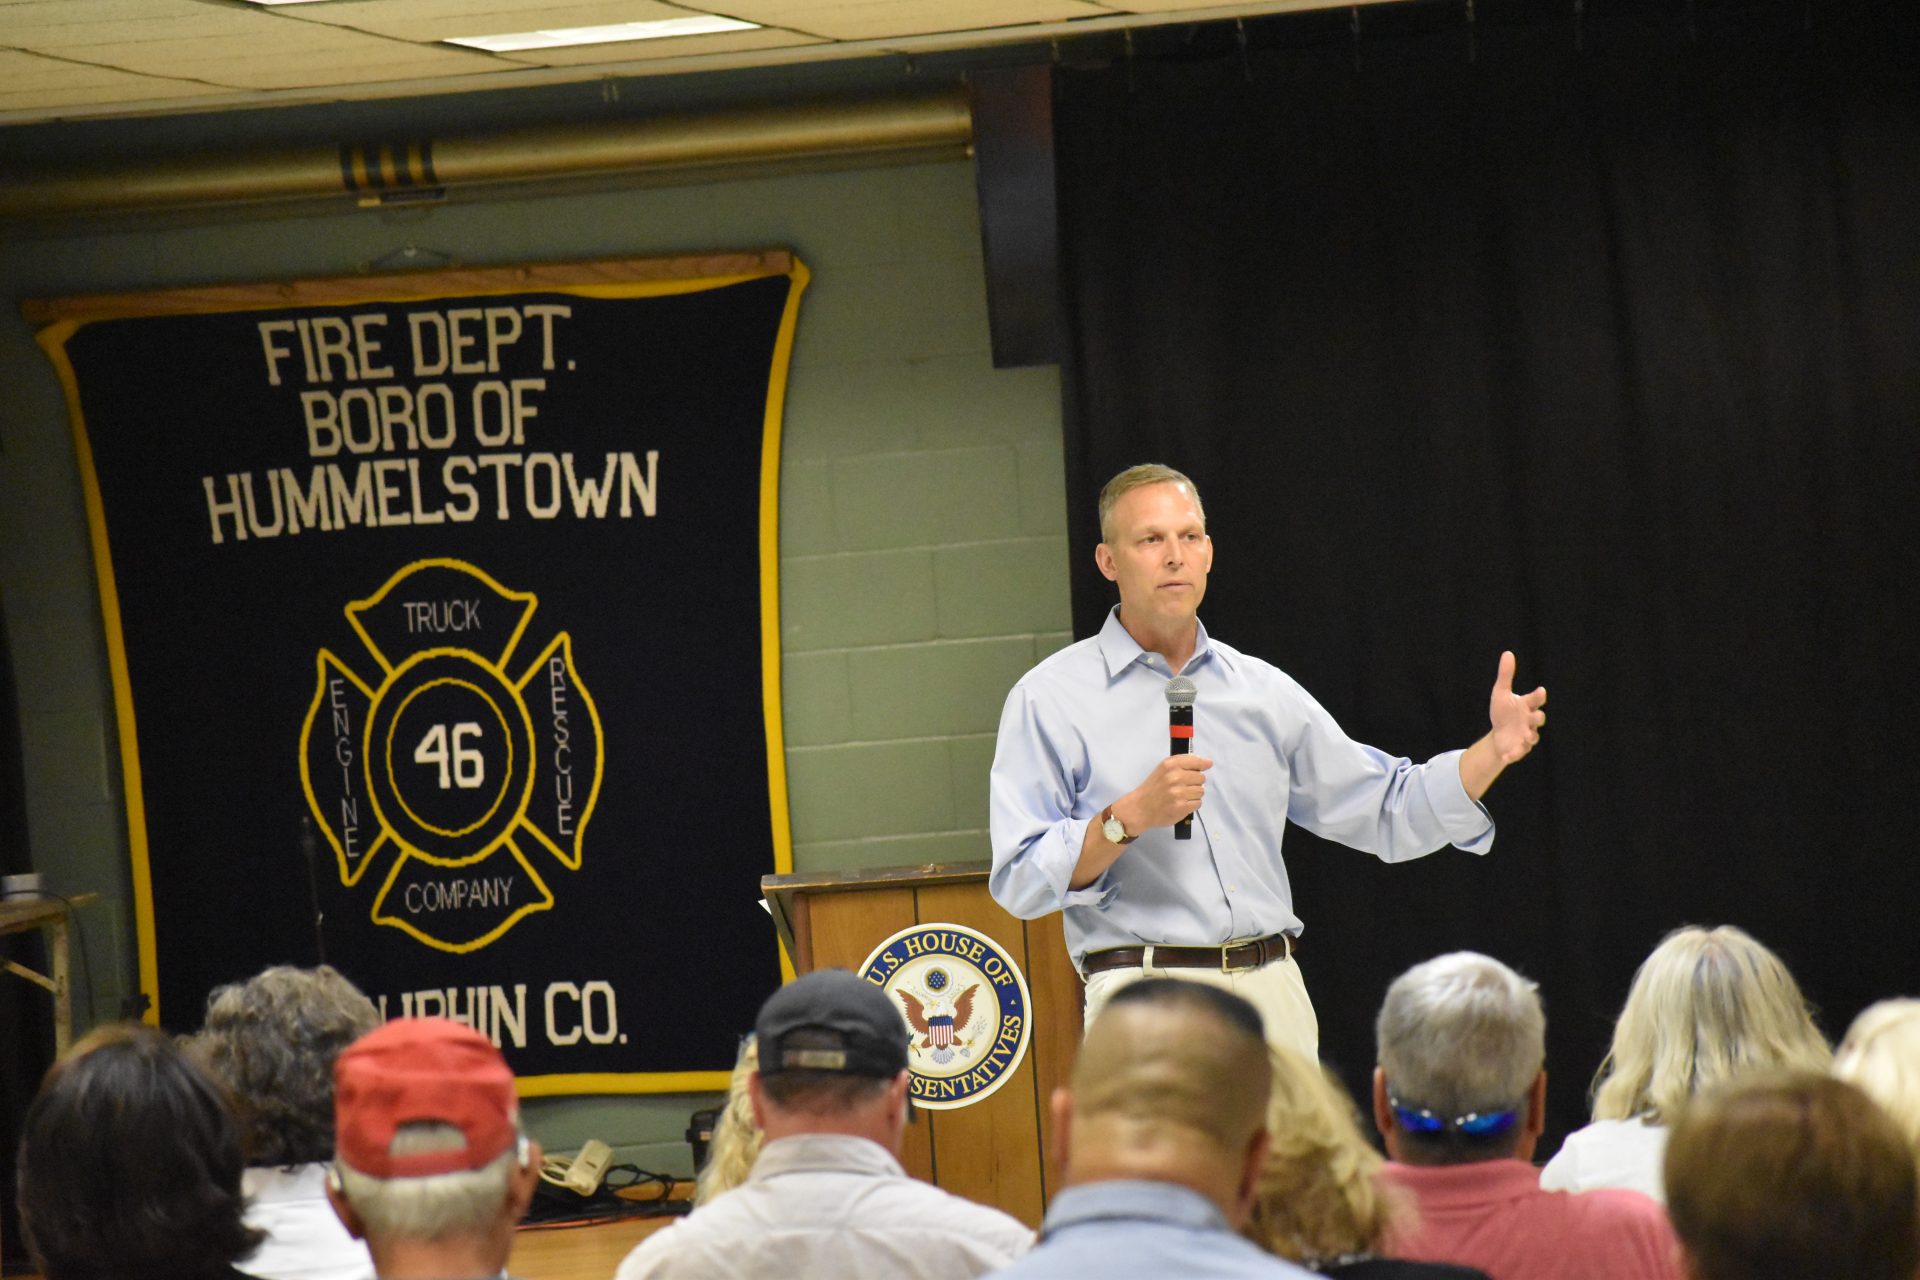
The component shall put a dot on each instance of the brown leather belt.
(1233, 959)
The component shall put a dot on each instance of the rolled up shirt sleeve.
(1033, 792)
(1380, 804)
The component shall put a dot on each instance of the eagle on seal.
(941, 1029)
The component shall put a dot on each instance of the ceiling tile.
(20, 72)
(73, 36)
(28, 24)
(330, 43)
(194, 59)
(29, 82)
(150, 54)
(135, 89)
(285, 71)
(17, 13)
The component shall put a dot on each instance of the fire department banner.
(442, 617)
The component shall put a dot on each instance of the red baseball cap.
(422, 1071)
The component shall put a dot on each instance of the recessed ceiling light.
(705, 24)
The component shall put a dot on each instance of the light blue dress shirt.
(1151, 1230)
(1087, 725)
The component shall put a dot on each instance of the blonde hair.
(1881, 1054)
(1140, 477)
(736, 1138)
(1318, 1197)
(1707, 1005)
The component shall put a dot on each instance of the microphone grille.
(1180, 692)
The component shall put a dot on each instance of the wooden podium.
(998, 1150)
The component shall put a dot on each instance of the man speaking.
(1086, 793)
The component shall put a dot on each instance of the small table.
(578, 1253)
(17, 915)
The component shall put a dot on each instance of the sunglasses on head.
(1474, 1124)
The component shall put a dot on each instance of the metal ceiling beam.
(401, 170)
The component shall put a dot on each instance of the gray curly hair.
(272, 1040)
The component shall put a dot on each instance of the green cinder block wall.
(923, 551)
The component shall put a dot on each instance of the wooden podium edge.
(786, 894)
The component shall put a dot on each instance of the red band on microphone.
(1180, 731)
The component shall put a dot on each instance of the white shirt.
(1610, 1153)
(829, 1205)
(305, 1240)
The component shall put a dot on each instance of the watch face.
(1113, 831)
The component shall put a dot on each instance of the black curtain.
(1599, 341)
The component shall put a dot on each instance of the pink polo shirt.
(1494, 1216)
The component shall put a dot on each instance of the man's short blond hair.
(1139, 478)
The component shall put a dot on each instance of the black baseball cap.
(854, 1029)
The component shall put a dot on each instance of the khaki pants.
(1277, 990)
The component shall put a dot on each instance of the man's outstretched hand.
(1517, 719)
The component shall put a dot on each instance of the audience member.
(1319, 1202)
(1705, 1006)
(130, 1165)
(1459, 1095)
(827, 1195)
(1881, 1054)
(430, 1166)
(1163, 1127)
(272, 1041)
(1792, 1176)
(736, 1138)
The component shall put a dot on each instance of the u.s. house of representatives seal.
(964, 1003)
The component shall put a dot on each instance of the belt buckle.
(1230, 969)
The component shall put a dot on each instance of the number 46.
(468, 767)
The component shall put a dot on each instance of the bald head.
(1170, 1085)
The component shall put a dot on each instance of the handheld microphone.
(1180, 695)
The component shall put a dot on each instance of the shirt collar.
(1134, 1201)
(1121, 650)
(824, 1153)
(1478, 1182)
(267, 1184)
